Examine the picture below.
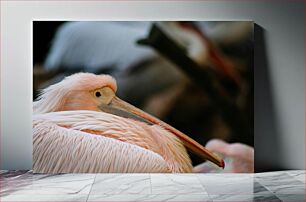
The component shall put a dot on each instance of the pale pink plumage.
(72, 135)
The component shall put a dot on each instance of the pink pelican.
(79, 125)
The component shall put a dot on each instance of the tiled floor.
(274, 186)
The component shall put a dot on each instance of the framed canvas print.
(152, 100)
(143, 96)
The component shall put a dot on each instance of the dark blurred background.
(196, 76)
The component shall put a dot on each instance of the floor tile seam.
(91, 187)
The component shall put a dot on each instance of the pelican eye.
(98, 94)
(103, 95)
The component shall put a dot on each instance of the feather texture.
(114, 137)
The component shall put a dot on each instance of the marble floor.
(271, 186)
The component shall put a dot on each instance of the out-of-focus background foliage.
(196, 76)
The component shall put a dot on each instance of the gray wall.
(279, 67)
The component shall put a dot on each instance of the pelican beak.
(120, 108)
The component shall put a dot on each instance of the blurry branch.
(223, 101)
